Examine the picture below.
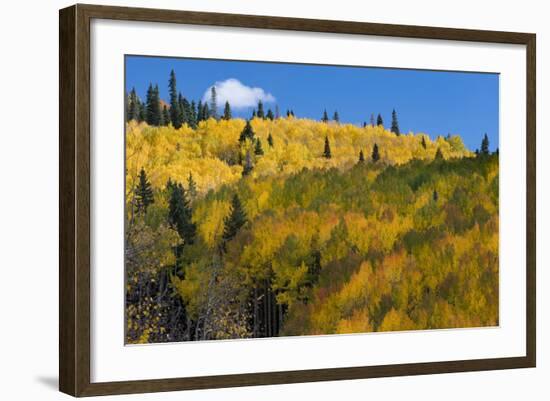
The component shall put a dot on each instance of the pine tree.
(205, 111)
(260, 113)
(258, 150)
(133, 106)
(186, 111)
(248, 166)
(227, 111)
(438, 154)
(253, 113)
(247, 133)
(379, 120)
(175, 113)
(234, 221)
(213, 103)
(165, 115)
(361, 156)
(269, 115)
(270, 140)
(485, 145)
(423, 142)
(191, 187)
(325, 116)
(200, 116)
(336, 117)
(142, 116)
(375, 153)
(327, 154)
(288, 113)
(395, 123)
(153, 106)
(192, 119)
(180, 215)
(144, 193)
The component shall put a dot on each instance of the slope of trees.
(240, 229)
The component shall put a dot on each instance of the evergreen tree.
(133, 106)
(165, 115)
(234, 221)
(375, 153)
(175, 113)
(292, 113)
(192, 118)
(191, 187)
(248, 166)
(258, 150)
(270, 140)
(227, 111)
(186, 111)
(336, 117)
(269, 115)
(180, 215)
(326, 153)
(288, 113)
(247, 133)
(395, 123)
(144, 193)
(260, 113)
(379, 120)
(325, 116)
(142, 112)
(361, 156)
(423, 142)
(438, 154)
(153, 106)
(485, 145)
(205, 111)
(435, 196)
(213, 103)
(253, 113)
(200, 110)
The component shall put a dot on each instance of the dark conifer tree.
(270, 115)
(258, 150)
(153, 106)
(327, 153)
(435, 196)
(423, 142)
(227, 111)
(485, 145)
(395, 123)
(213, 103)
(260, 113)
(175, 113)
(375, 153)
(361, 156)
(206, 111)
(288, 113)
(234, 221)
(438, 154)
(191, 187)
(144, 193)
(180, 214)
(336, 117)
(379, 120)
(186, 111)
(200, 116)
(142, 112)
(254, 113)
(247, 133)
(133, 106)
(270, 140)
(192, 115)
(325, 117)
(165, 115)
(292, 113)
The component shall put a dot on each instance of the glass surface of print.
(272, 199)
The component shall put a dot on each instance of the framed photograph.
(249, 200)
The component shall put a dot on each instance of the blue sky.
(434, 102)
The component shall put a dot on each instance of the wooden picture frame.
(74, 199)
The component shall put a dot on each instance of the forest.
(277, 225)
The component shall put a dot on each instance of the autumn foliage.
(287, 241)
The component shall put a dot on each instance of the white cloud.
(237, 94)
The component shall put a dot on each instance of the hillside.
(302, 243)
